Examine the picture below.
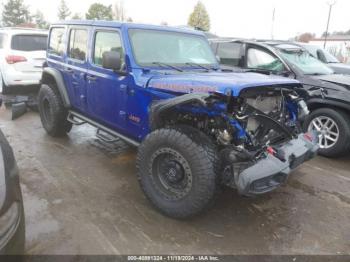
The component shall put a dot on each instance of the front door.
(76, 66)
(259, 58)
(106, 88)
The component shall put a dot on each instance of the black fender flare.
(158, 108)
(328, 102)
(49, 73)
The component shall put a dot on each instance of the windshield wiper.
(199, 65)
(259, 70)
(167, 65)
(285, 73)
(315, 74)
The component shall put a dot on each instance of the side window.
(104, 42)
(78, 44)
(229, 53)
(260, 59)
(56, 44)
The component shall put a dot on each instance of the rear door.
(32, 48)
(76, 65)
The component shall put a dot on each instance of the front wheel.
(333, 127)
(176, 173)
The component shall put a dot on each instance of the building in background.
(337, 45)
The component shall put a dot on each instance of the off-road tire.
(209, 146)
(201, 160)
(52, 112)
(342, 120)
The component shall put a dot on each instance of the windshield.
(306, 62)
(172, 48)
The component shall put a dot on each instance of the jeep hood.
(215, 82)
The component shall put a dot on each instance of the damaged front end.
(257, 133)
(263, 174)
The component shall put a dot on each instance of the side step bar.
(104, 133)
(105, 137)
(70, 118)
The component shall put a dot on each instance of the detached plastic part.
(18, 110)
(269, 173)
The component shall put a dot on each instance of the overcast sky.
(238, 18)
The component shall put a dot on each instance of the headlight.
(8, 220)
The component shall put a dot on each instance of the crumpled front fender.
(160, 107)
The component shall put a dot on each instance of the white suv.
(22, 54)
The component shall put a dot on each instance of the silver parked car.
(327, 58)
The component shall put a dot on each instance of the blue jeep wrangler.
(161, 89)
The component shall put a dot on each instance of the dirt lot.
(82, 197)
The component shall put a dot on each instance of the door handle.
(91, 78)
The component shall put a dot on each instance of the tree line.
(16, 13)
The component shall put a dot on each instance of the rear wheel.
(52, 112)
(334, 130)
(176, 173)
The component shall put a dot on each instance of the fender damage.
(256, 130)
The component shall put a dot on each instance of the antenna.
(330, 3)
(273, 23)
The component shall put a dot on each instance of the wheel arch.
(315, 104)
(160, 108)
(51, 75)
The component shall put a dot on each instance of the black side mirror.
(321, 56)
(112, 60)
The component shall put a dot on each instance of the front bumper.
(269, 173)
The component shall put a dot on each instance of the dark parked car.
(12, 233)
(327, 58)
(330, 102)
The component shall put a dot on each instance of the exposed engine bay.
(258, 118)
(256, 125)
